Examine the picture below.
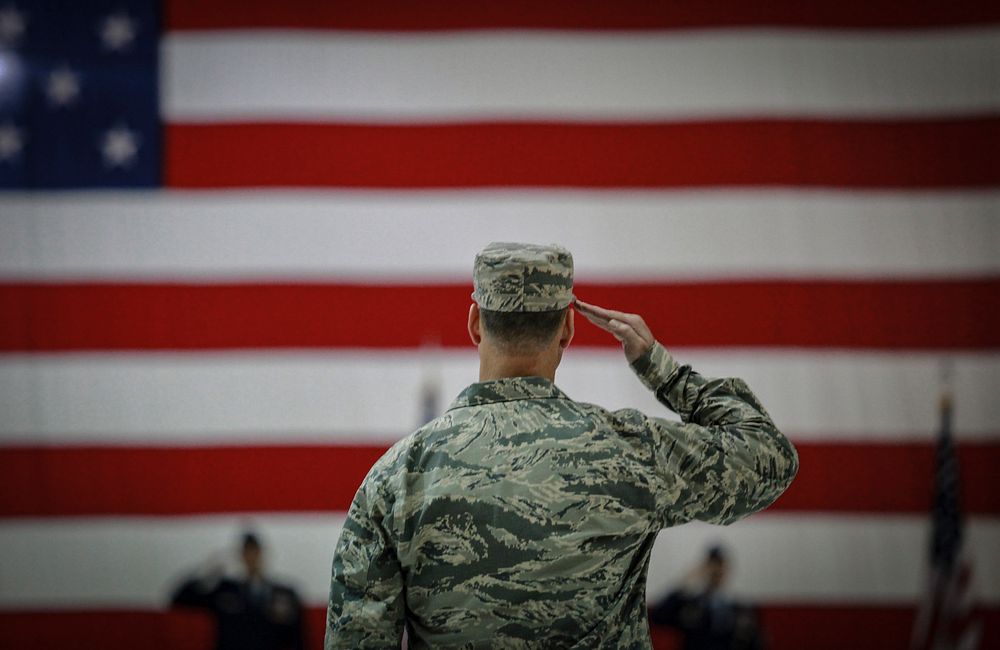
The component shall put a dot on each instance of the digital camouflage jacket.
(523, 519)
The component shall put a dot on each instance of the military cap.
(515, 277)
(717, 553)
(250, 538)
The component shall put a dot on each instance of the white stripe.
(375, 396)
(322, 76)
(415, 236)
(784, 558)
(95, 563)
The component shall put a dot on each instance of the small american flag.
(946, 619)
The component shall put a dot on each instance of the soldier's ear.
(475, 333)
(568, 329)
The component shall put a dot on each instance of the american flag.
(236, 242)
(946, 620)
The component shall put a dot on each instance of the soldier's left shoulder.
(401, 454)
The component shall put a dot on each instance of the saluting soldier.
(251, 612)
(705, 615)
(523, 519)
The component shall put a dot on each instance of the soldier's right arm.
(726, 460)
(195, 592)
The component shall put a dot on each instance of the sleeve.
(727, 460)
(667, 611)
(196, 592)
(367, 607)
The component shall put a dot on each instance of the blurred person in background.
(705, 615)
(251, 611)
(521, 518)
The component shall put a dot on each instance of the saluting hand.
(630, 329)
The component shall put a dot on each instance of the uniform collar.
(507, 390)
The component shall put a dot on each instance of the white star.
(63, 86)
(11, 25)
(119, 146)
(117, 32)
(11, 142)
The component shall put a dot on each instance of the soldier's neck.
(497, 364)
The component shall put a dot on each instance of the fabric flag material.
(947, 620)
(236, 244)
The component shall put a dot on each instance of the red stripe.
(883, 477)
(797, 153)
(853, 626)
(568, 14)
(53, 481)
(789, 626)
(891, 314)
(83, 481)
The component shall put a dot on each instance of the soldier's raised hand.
(630, 329)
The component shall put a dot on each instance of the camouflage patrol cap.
(523, 277)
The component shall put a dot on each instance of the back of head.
(522, 332)
(523, 292)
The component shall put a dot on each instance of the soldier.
(523, 519)
(707, 617)
(251, 613)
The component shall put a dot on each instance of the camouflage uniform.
(523, 519)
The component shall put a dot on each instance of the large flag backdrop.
(275, 265)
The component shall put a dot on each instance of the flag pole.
(926, 631)
(947, 376)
